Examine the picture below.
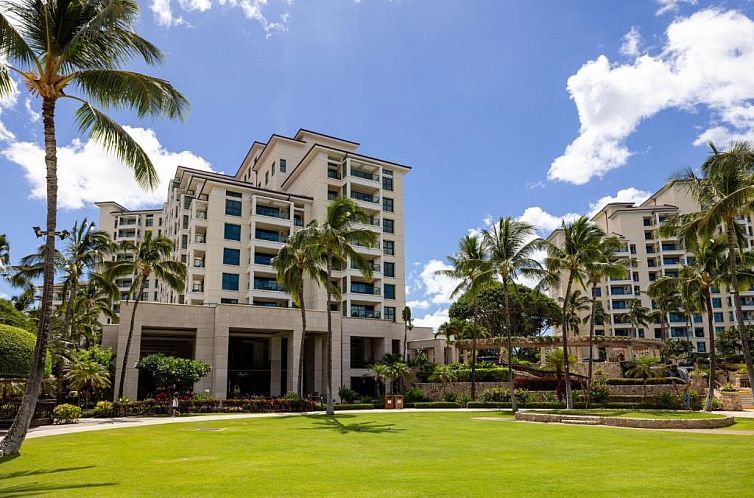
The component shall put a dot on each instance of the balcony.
(270, 236)
(197, 288)
(374, 266)
(263, 259)
(201, 215)
(365, 175)
(359, 196)
(365, 289)
(200, 239)
(361, 313)
(273, 212)
(335, 175)
(198, 263)
(267, 285)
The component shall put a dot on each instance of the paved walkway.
(100, 424)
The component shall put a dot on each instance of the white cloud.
(631, 43)
(437, 288)
(665, 6)
(163, 13)
(419, 304)
(706, 61)
(34, 116)
(87, 173)
(252, 9)
(433, 320)
(544, 221)
(630, 194)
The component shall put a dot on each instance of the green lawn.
(656, 414)
(741, 424)
(376, 454)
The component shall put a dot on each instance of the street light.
(40, 233)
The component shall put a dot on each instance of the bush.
(495, 395)
(437, 404)
(17, 353)
(483, 374)
(9, 315)
(354, 406)
(728, 388)
(450, 397)
(639, 382)
(487, 404)
(599, 391)
(103, 409)
(169, 370)
(66, 414)
(414, 395)
(246, 405)
(347, 394)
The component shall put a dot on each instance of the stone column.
(130, 387)
(294, 356)
(275, 365)
(204, 350)
(341, 358)
(319, 362)
(220, 357)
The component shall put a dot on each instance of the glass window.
(701, 347)
(389, 269)
(698, 332)
(227, 300)
(230, 281)
(389, 291)
(388, 226)
(273, 168)
(718, 317)
(717, 302)
(230, 193)
(149, 221)
(387, 183)
(387, 204)
(231, 256)
(266, 178)
(232, 232)
(232, 208)
(283, 165)
(389, 313)
(388, 247)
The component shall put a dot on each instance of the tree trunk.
(566, 367)
(119, 392)
(300, 387)
(712, 355)
(65, 334)
(11, 443)
(509, 334)
(330, 408)
(732, 262)
(591, 348)
(473, 354)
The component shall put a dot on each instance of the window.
(149, 221)
(598, 292)
(718, 317)
(387, 183)
(389, 269)
(648, 236)
(717, 302)
(388, 247)
(387, 204)
(388, 226)
(273, 168)
(231, 256)
(389, 313)
(701, 347)
(396, 346)
(232, 232)
(389, 291)
(230, 281)
(230, 193)
(227, 300)
(698, 332)
(283, 165)
(658, 334)
(232, 208)
(266, 178)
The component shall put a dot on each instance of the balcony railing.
(365, 175)
(201, 215)
(273, 212)
(269, 285)
(262, 260)
(331, 173)
(197, 288)
(363, 289)
(200, 239)
(198, 263)
(357, 313)
(375, 267)
(273, 237)
(365, 197)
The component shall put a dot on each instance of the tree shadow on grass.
(328, 422)
(35, 489)
(36, 472)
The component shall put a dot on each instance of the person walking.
(174, 411)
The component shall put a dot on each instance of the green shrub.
(487, 404)
(495, 395)
(9, 315)
(354, 406)
(169, 370)
(17, 353)
(66, 414)
(638, 382)
(414, 395)
(103, 409)
(450, 397)
(437, 404)
(523, 396)
(347, 394)
(728, 388)
(599, 391)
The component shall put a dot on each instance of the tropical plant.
(151, 255)
(336, 237)
(454, 330)
(397, 370)
(443, 374)
(58, 47)
(664, 294)
(639, 315)
(555, 360)
(4, 252)
(511, 245)
(66, 414)
(171, 372)
(408, 324)
(724, 192)
(474, 271)
(88, 376)
(578, 247)
(577, 305)
(92, 302)
(645, 367)
(299, 259)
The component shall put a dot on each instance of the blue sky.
(539, 110)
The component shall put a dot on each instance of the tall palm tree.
(472, 267)
(454, 330)
(337, 236)
(59, 48)
(606, 264)
(579, 246)
(93, 302)
(4, 252)
(724, 192)
(555, 360)
(151, 255)
(696, 282)
(408, 324)
(88, 376)
(664, 294)
(299, 259)
(639, 315)
(577, 305)
(511, 245)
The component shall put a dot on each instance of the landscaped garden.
(379, 454)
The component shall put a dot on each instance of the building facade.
(227, 229)
(653, 257)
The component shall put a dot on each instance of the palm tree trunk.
(300, 387)
(330, 408)
(591, 347)
(566, 367)
(11, 443)
(509, 334)
(119, 392)
(733, 269)
(473, 353)
(712, 355)
(66, 325)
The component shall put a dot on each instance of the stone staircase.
(746, 399)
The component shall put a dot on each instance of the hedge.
(436, 404)
(246, 405)
(355, 406)
(487, 404)
(483, 375)
(640, 382)
(17, 353)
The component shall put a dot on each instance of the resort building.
(652, 257)
(232, 313)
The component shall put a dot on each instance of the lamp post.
(40, 233)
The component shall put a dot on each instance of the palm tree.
(336, 237)
(379, 371)
(454, 330)
(605, 265)
(555, 360)
(4, 252)
(579, 247)
(664, 294)
(59, 47)
(645, 367)
(696, 281)
(93, 301)
(88, 376)
(471, 265)
(443, 374)
(638, 315)
(511, 245)
(408, 324)
(724, 192)
(577, 305)
(394, 371)
(300, 258)
(150, 255)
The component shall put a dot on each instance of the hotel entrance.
(250, 365)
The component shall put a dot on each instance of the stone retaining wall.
(642, 423)
(652, 390)
(435, 390)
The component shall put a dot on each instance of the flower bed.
(246, 405)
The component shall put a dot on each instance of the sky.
(541, 111)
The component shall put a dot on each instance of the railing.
(363, 289)
(273, 212)
(201, 215)
(365, 175)
(271, 237)
(269, 285)
(374, 266)
(200, 239)
(262, 260)
(371, 221)
(127, 223)
(198, 263)
(365, 197)
(197, 288)
(333, 174)
(365, 314)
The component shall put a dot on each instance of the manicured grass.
(376, 454)
(656, 414)
(741, 424)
